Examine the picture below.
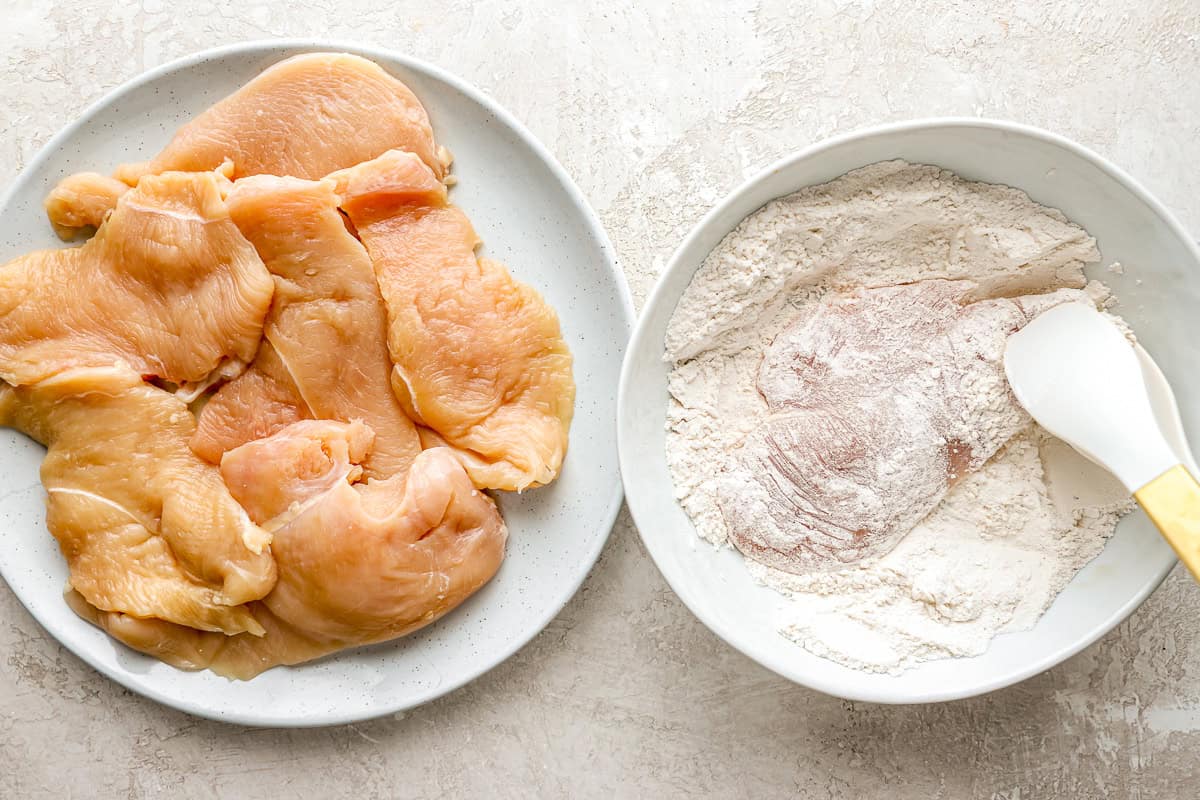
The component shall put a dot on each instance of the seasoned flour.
(1002, 544)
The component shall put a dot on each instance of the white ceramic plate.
(1160, 297)
(531, 216)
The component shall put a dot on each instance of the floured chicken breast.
(325, 355)
(147, 528)
(879, 402)
(133, 292)
(304, 117)
(358, 564)
(480, 361)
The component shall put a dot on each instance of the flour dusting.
(1005, 540)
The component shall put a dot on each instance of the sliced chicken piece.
(879, 402)
(358, 564)
(479, 357)
(168, 285)
(261, 401)
(304, 117)
(276, 478)
(240, 657)
(147, 528)
(326, 333)
(354, 576)
(82, 201)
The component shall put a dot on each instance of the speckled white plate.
(531, 216)
(1160, 297)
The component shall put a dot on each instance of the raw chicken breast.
(305, 117)
(82, 201)
(357, 564)
(390, 556)
(325, 348)
(261, 401)
(479, 357)
(134, 292)
(879, 402)
(147, 528)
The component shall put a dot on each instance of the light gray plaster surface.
(657, 110)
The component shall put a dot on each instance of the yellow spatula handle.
(1172, 501)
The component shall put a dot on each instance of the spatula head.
(1076, 374)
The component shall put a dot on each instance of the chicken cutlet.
(303, 117)
(358, 563)
(82, 201)
(260, 401)
(480, 362)
(147, 528)
(324, 352)
(294, 247)
(878, 403)
(133, 292)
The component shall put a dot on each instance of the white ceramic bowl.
(531, 216)
(1160, 297)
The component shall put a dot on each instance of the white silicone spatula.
(1081, 379)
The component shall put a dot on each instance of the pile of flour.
(1005, 540)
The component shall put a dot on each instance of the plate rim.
(596, 229)
(675, 264)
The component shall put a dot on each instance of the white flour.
(1002, 544)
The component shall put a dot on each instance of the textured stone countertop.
(658, 109)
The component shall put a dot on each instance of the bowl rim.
(595, 228)
(675, 264)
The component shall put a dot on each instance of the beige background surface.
(657, 110)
